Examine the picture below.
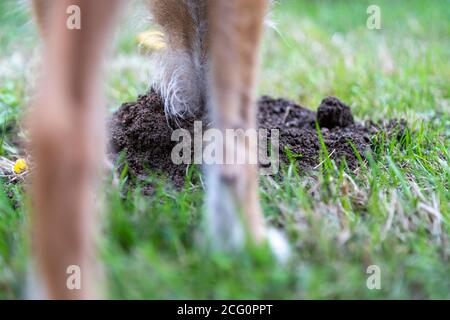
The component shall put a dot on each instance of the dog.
(211, 58)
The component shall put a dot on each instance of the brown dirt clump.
(142, 131)
(334, 113)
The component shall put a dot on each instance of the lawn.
(393, 212)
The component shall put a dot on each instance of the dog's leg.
(235, 34)
(67, 145)
(178, 75)
(41, 11)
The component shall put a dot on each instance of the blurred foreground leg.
(66, 126)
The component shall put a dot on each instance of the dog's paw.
(110, 170)
(34, 288)
(279, 245)
(223, 223)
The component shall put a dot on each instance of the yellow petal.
(20, 166)
(151, 40)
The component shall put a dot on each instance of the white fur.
(224, 226)
(179, 75)
(278, 245)
(178, 82)
(34, 289)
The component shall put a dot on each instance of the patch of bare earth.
(141, 130)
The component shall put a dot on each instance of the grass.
(394, 212)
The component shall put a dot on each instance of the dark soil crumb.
(334, 113)
(298, 131)
(142, 131)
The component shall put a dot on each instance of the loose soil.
(141, 132)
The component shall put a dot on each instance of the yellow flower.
(152, 40)
(20, 166)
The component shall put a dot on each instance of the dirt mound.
(142, 131)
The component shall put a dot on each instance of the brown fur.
(173, 16)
